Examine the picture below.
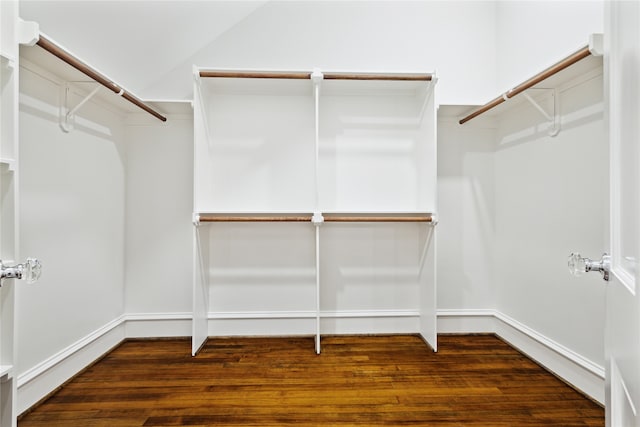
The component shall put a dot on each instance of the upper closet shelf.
(298, 82)
(579, 63)
(76, 71)
(318, 217)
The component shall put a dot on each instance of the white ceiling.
(135, 43)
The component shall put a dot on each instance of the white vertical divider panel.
(316, 79)
(200, 324)
(427, 270)
(427, 280)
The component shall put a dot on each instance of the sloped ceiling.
(136, 43)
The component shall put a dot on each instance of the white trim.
(549, 343)
(151, 325)
(310, 314)
(582, 373)
(37, 382)
(67, 352)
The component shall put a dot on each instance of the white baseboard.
(39, 381)
(576, 370)
(152, 325)
(42, 379)
(304, 322)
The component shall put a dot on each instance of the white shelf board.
(5, 371)
(7, 59)
(40, 61)
(588, 67)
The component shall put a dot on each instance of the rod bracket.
(317, 219)
(196, 219)
(554, 117)
(68, 114)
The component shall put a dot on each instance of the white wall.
(552, 199)
(533, 35)
(466, 210)
(457, 39)
(159, 204)
(72, 188)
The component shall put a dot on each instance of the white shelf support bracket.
(67, 115)
(28, 32)
(428, 94)
(316, 80)
(596, 44)
(197, 80)
(317, 219)
(317, 77)
(196, 219)
(554, 117)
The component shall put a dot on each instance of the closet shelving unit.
(316, 152)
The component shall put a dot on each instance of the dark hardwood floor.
(357, 380)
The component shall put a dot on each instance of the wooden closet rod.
(56, 50)
(559, 66)
(307, 218)
(254, 75)
(327, 76)
(390, 77)
(256, 218)
(378, 219)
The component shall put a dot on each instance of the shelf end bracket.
(554, 117)
(67, 115)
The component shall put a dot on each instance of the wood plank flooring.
(356, 381)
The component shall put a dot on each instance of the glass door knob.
(579, 265)
(32, 270)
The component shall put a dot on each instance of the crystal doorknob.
(579, 265)
(29, 271)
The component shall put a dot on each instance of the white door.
(622, 336)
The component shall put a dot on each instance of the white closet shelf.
(7, 59)
(5, 371)
(55, 60)
(307, 217)
(582, 62)
(306, 75)
(240, 81)
(10, 163)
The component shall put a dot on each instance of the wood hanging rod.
(56, 50)
(254, 75)
(389, 77)
(300, 75)
(527, 84)
(307, 218)
(255, 218)
(386, 218)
